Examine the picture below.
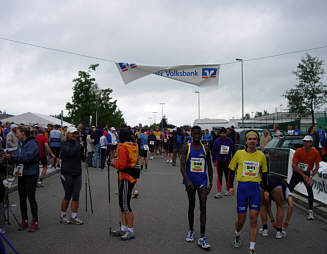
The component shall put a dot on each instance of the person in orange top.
(303, 162)
(127, 156)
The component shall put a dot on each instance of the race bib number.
(158, 137)
(145, 147)
(19, 170)
(302, 166)
(197, 165)
(250, 168)
(165, 140)
(224, 149)
(151, 143)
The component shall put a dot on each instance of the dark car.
(277, 153)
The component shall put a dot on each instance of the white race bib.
(302, 166)
(224, 149)
(151, 143)
(158, 137)
(19, 170)
(250, 168)
(197, 165)
(145, 147)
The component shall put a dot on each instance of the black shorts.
(113, 147)
(56, 151)
(44, 161)
(143, 153)
(165, 146)
(170, 148)
(72, 186)
(151, 149)
(125, 194)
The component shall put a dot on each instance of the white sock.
(131, 230)
(123, 228)
(62, 214)
(74, 215)
(252, 245)
(310, 211)
(237, 233)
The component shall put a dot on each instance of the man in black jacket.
(71, 175)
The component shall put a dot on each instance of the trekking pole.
(109, 200)
(9, 244)
(88, 182)
(85, 189)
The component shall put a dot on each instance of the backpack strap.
(188, 151)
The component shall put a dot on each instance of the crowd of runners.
(24, 148)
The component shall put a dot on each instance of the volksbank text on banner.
(198, 75)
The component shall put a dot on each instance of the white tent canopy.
(35, 118)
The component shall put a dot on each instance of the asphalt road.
(160, 221)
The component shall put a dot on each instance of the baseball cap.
(307, 138)
(112, 128)
(13, 126)
(72, 130)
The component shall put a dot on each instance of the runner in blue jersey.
(196, 167)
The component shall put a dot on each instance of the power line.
(57, 50)
(112, 61)
(277, 55)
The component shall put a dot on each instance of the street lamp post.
(162, 104)
(241, 60)
(198, 92)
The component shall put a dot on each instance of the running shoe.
(279, 235)
(251, 251)
(118, 232)
(64, 220)
(237, 242)
(227, 193)
(263, 232)
(76, 221)
(40, 183)
(310, 215)
(189, 237)
(34, 227)
(203, 243)
(135, 194)
(218, 195)
(23, 225)
(128, 236)
(284, 233)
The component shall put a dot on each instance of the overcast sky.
(157, 33)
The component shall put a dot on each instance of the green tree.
(89, 100)
(310, 92)
(164, 123)
(258, 114)
(247, 116)
(186, 127)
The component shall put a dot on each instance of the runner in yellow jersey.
(251, 168)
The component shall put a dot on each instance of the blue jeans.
(96, 154)
(90, 159)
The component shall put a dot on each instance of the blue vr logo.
(125, 66)
(209, 73)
